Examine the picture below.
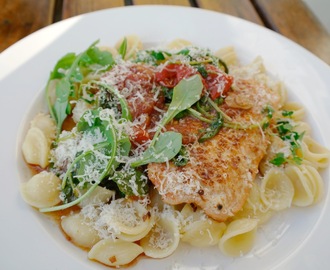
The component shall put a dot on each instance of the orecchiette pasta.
(42, 190)
(163, 239)
(80, 231)
(239, 237)
(114, 252)
(46, 125)
(276, 190)
(99, 195)
(228, 55)
(297, 109)
(315, 153)
(178, 44)
(36, 148)
(254, 207)
(307, 184)
(199, 230)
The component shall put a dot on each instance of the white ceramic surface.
(295, 239)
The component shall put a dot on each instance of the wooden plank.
(77, 7)
(293, 19)
(239, 8)
(162, 2)
(20, 18)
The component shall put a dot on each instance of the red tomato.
(172, 73)
(140, 135)
(217, 82)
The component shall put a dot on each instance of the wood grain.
(239, 8)
(19, 18)
(294, 20)
(77, 7)
(162, 2)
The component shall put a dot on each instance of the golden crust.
(221, 170)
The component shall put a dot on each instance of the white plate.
(296, 239)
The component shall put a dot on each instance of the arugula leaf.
(131, 182)
(166, 147)
(69, 71)
(182, 158)
(62, 65)
(213, 129)
(186, 93)
(123, 48)
(157, 55)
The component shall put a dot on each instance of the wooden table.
(291, 18)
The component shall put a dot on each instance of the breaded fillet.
(221, 170)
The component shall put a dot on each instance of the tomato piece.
(217, 82)
(140, 135)
(173, 73)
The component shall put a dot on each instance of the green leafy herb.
(279, 159)
(222, 65)
(123, 48)
(68, 71)
(202, 70)
(182, 158)
(157, 55)
(212, 130)
(181, 100)
(165, 148)
(287, 113)
(77, 179)
(131, 182)
(269, 111)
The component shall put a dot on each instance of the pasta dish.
(144, 148)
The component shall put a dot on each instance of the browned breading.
(221, 170)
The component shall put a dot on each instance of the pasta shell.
(178, 44)
(162, 240)
(316, 154)
(46, 125)
(203, 233)
(114, 252)
(307, 184)
(228, 55)
(276, 190)
(80, 232)
(36, 148)
(42, 190)
(138, 236)
(254, 207)
(239, 237)
(98, 196)
(297, 108)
